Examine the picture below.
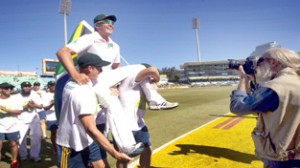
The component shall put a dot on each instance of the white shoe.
(164, 106)
(134, 150)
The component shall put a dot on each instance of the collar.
(286, 71)
(110, 42)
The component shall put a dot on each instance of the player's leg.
(156, 101)
(42, 117)
(121, 132)
(35, 139)
(13, 144)
(23, 141)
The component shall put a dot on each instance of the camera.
(249, 64)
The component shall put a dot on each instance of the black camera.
(249, 65)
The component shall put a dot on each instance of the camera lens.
(233, 64)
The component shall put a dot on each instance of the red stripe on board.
(225, 122)
(233, 123)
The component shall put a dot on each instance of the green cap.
(6, 85)
(26, 84)
(91, 59)
(103, 17)
(51, 83)
(36, 84)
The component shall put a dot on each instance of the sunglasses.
(106, 22)
(260, 60)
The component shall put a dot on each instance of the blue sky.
(158, 32)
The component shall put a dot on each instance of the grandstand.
(17, 77)
(217, 71)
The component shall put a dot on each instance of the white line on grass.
(135, 162)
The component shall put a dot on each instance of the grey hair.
(286, 57)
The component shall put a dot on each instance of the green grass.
(197, 106)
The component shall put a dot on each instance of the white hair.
(286, 57)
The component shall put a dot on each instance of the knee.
(98, 164)
(13, 144)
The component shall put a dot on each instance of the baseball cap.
(91, 59)
(6, 85)
(23, 84)
(36, 84)
(51, 83)
(103, 17)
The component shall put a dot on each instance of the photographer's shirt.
(262, 100)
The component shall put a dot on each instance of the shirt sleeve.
(262, 100)
(36, 98)
(47, 98)
(118, 54)
(81, 44)
(85, 101)
(17, 103)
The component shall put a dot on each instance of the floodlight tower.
(195, 26)
(65, 7)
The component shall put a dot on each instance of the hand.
(242, 73)
(2, 108)
(114, 91)
(154, 79)
(123, 157)
(81, 78)
(31, 103)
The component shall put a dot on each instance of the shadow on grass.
(216, 152)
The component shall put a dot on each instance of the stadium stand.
(17, 77)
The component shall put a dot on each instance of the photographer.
(277, 102)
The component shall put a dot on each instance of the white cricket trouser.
(115, 115)
(116, 118)
(151, 93)
(35, 138)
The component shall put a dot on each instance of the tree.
(172, 73)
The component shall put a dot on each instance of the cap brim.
(103, 63)
(112, 17)
(10, 86)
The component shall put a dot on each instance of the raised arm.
(65, 57)
(150, 72)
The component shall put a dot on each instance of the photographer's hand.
(244, 80)
(242, 74)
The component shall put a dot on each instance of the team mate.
(135, 108)
(37, 89)
(77, 135)
(48, 104)
(31, 103)
(10, 107)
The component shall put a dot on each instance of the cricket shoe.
(134, 150)
(164, 106)
(14, 164)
